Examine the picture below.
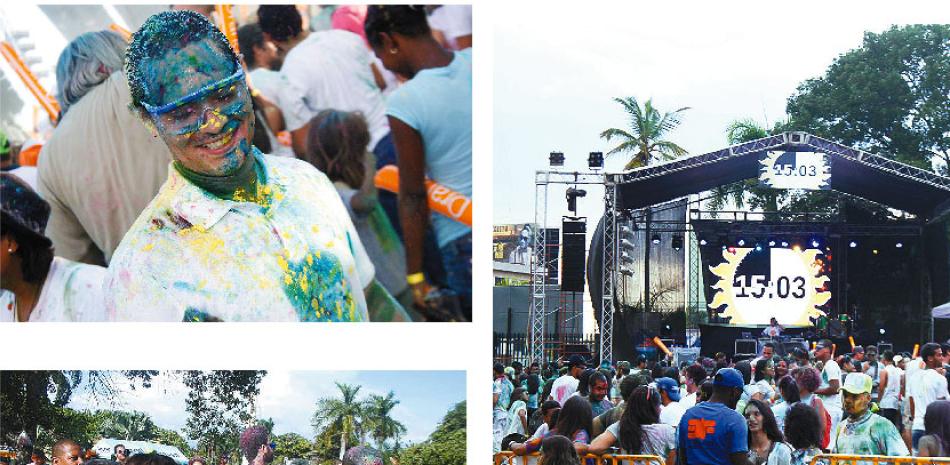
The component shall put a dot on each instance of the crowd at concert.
(772, 410)
(184, 181)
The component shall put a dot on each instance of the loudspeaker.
(552, 243)
(572, 257)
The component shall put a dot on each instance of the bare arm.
(671, 457)
(601, 443)
(378, 76)
(299, 140)
(413, 205)
(833, 386)
(523, 415)
(739, 458)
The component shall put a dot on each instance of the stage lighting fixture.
(784, 243)
(626, 244)
(758, 248)
(741, 242)
(595, 160)
(625, 257)
(677, 242)
(771, 242)
(882, 331)
(814, 243)
(899, 245)
(626, 272)
(797, 248)
(874, 251)
(572, 194)
(703, 242)
(556, 159)
(655, 239)
(853, 244)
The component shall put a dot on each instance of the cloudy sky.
(289, 397)
(557, 68)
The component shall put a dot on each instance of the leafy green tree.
(345, 413)
(890, 96)
(130, 426)
(445, 446)
(327, 444)
(644, 140)
(291, 446)
(748, 193)
(381, 425)
(218, 403)
(34, 401)
(173, 438)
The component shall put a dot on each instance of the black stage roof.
(866, 175)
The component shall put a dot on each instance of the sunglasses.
(187, 111)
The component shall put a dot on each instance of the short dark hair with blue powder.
(160, 33)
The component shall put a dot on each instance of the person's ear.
(390, 43)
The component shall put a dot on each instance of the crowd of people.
(186, 182)
(770, 410)
(256, 448)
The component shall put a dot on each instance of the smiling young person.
(232, 235)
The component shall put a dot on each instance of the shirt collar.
(204, 210)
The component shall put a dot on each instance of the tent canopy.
(942, 311)
(105, 446)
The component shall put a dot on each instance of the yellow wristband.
(415, 278)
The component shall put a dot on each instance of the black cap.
(22, 206)
(575, 360)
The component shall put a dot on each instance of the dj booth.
(748, 340)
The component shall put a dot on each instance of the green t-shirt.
(871, 435)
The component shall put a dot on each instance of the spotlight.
(771, 242)
(874, 251)
(797, 248)
(655, 239)
(572, 194)
(556, 159)
(899, 245)
(852, 244)
(595, 160)
(814, 243)
(625, 257)
(758, 247)
(882, 331)
(741, 242)
(677, 242)
(784, 243)
(626, 244)
(703, 242)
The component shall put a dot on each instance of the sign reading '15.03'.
(795, 170)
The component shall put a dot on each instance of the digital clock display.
(755, 285)
(795, 170)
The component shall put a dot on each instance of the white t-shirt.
(453, 20)
(563, 388)
(930, 386)
(331, 69)
(72, 292)
(893, 389)
(671, 413)
(273, 86)
(831, 371)
(688, 401)
(658, 439)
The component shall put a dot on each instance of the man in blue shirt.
(712, 432)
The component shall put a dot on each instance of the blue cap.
(671, 387)
(729, 377)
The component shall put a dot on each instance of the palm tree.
(748, 191)
(645, 137)
(131, 426)
(346, 414)
(380, 424)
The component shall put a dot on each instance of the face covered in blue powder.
(205, 114)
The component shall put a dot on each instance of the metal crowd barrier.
(836, 459)
(607, 459)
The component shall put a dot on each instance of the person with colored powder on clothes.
(430, 116)
(36, 285)
(864, 432)
(501, 398)
(830, 389)
(597, 393)
(232, 235)
(713, 432)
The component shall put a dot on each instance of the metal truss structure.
(796, 141)
(538, 265)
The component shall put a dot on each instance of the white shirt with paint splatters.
(72, 292)
(191, 256)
